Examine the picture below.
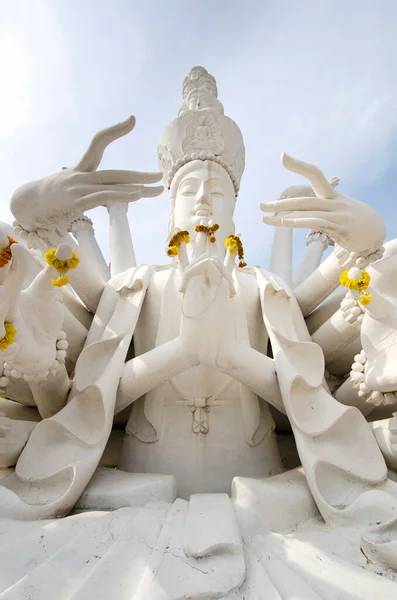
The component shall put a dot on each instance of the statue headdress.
(201, 131)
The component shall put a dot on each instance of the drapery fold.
(343, 464)
(64, 450)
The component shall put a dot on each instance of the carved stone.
(197, 366)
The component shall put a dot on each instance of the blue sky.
(316, 79)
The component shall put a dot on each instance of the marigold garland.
(359, 284)
(62, 266)
(209, 230)
(234, 244)
(176, 240)
(365, 299)
(9, 336)
(60, 281)
(5, 254)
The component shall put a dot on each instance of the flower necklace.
(176, 240)
(357, 280)
(5, 254)
(62, 266)
(209, 230)
(9, 336)
(233, 245)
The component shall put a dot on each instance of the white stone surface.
(110, 489)
(211, 527)
(252, 498)
(139, 553)
(197, 381)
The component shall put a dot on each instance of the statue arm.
(319, 285)
(254, 370)
(147, 371)
(244, 364)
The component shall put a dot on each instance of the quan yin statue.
(197, 359)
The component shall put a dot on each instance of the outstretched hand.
(353, 225)
(57, 200)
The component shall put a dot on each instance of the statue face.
(203, 191)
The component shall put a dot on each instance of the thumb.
(93, 156)
(322, 188)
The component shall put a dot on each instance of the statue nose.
(203, 195)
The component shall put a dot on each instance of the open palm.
(56, 200)
(353, 225)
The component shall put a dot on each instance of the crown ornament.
(201, 132)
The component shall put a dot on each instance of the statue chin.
(198, 429)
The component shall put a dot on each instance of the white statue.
(216, 343)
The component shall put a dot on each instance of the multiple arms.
(46, 209)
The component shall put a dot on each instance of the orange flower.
(234, 244)
(5, 254)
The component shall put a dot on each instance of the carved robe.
(202, 426)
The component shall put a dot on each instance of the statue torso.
(202, 425)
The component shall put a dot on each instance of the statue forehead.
(203, 170)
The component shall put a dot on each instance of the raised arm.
(46, 209)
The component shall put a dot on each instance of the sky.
(313, 78)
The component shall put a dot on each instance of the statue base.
(266, 541)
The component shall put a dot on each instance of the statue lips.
(202, 210)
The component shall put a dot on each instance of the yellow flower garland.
(233, 245)
(62, 266)
(209, 230)
(365, 299)
(60, 281)
(359, 284)
(176, 240)
(9, 336)
(5, 254)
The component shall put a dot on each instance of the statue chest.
(160, 322)
(160, 316)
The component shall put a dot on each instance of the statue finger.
(183, 260)
(56, 237)
(303, 203)
(123, 177)
(104, 198)
(93, 156)
(152, 192)
(303, 223)
(320, 184)
(334, 218)
(202, 242)
(79, 191)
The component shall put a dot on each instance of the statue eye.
(187, 192)
(217, 193)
